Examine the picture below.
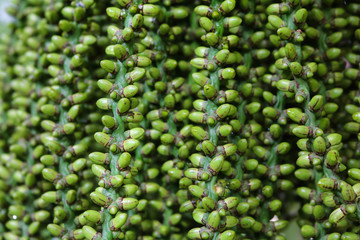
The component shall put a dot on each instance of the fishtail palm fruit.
(23, 212)
(312, 68)
(68, 66)
(127, 169)
(167, 132)
(202, 103)
(5, 125)
(231, 188)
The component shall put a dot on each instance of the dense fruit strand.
(180, 119)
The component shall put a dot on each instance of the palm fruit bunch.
(48, 118)
(179, 119)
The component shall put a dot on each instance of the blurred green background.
(4, 17)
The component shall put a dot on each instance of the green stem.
(211, 106)
(63, 163)
(160, 46)
(323, 47)
(118, 133)
(241, 116)
(303, 85)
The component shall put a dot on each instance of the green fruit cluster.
(179, 119)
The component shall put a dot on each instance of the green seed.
(337, 215)
(308, 231)
(275, 21)
(91, 233)
(300, 16)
